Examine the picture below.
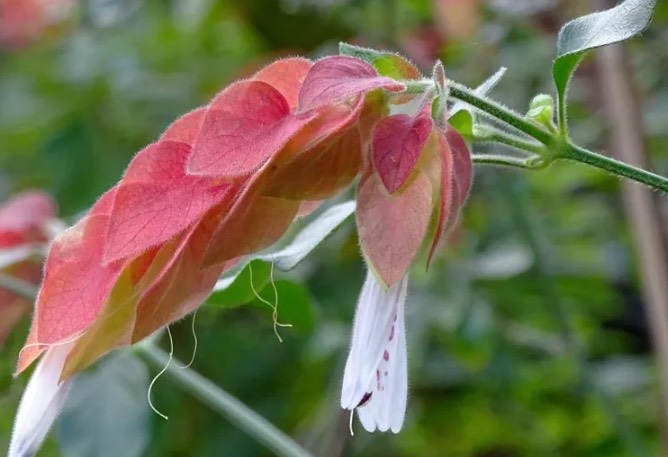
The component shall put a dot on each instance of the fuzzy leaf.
(625, 21)
(456, 178)
(157, 199)
(244, 126)
(286, 76)
(75, 285)
(392, 227)
(337, 78)
(397, 143)
(320, 172)
(251, 224)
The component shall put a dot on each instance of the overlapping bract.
(227, 180)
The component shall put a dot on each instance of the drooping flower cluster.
(228, 179)
(24, 231)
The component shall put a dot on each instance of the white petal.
(376, 371)
(41, 403)
(386, 408)
(374, 317)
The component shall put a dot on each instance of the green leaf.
(234, 289)
(106, 414)
(294, 304)
(462, 121)
(625, 21)
(310, 237)
(386, 63)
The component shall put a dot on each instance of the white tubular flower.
(41, 403)
(375, 382)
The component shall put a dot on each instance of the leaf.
(397, 143)
(386, 63)
(625, 21)
(294, 304)
(320, 172)
(157, 199)
(462, 121)
(186, 284)
(244, 126)
(310, 237)
(235, 288)
(392, 227)
(254, 222)
(75, 286)
(338, 78)
(286, 76)
(151, 293)
(106, 413)
(456, 180)
(462, 167)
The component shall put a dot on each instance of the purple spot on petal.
(365, 399)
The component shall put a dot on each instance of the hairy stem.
(494, 159)
(500, 112)
(615, 167)
(488, 134)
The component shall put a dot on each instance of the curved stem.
(578, 154)
(494, 159)
(486, 134)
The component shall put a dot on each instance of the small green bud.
(541, 110)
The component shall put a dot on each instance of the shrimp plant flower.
(225, 181)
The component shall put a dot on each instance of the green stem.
(487, 134)
(615, 167)
(562, 149)
(494, 159)
(225, 404)
(500, 112)
(215, 397)
(557, 144)
(562, 116)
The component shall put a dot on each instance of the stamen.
(273, 306)
(192, 359)
(150, 387)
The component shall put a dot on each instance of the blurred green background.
(493, 369)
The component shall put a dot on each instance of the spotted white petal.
(42, 401)
(375, 381)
